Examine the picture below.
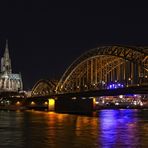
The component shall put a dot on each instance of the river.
(104, 129)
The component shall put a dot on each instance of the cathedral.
(9, 82)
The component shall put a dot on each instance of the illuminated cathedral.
(9, 82)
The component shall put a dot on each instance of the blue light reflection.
(118, 127)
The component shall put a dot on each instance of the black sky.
(44, 38)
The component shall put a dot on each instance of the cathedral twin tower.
(9, 82)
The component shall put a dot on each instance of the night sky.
(45, 38)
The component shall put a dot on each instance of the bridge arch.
(43, 88)
(104, 64)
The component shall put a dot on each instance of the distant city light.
(121, 96)
(97, 102)
(117, 103)
(18, 103)
(32, 103)
(46, 103)
(83, 98)
(74, 98)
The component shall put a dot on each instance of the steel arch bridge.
(43, 88)
(96, 68)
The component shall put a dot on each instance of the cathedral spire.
(6, 54)
(6, 61)
(6, 43)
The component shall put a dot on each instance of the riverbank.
(15, 107)
(12, 107)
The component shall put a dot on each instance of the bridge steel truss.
(101, 65)
(43, 88)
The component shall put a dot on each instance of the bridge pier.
(73, 105)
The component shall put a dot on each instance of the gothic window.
(3, 83)
(7, 83)
(10, 83)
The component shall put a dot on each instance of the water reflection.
(107, 128)
(118, 128)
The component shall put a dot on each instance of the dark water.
(107, 129)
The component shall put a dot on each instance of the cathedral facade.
(9, 82)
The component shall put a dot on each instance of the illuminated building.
(9, 82)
